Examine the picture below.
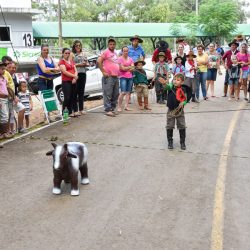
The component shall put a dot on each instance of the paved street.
(141, 195)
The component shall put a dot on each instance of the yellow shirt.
(201, 59)
(9, 80)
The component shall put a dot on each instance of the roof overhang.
(49, 30)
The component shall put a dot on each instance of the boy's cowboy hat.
(136, 37)
(140, 61)
(161, 54)
(191, 53)
(233, 42)
(177, 57)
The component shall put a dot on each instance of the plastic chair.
(50, 104)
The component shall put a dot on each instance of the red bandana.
(180, 95)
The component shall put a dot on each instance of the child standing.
(141, 84)
(178, 67)
(25, 98)
(235, 75)
(191, 70)
(161, 71)
(177, 99)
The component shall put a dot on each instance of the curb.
(38, 129)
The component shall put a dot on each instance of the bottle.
(65, 116)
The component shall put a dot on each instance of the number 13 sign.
(27, 39)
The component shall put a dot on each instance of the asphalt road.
(141, 195)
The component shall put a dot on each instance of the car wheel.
(60, 95)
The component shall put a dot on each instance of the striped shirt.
(25, 100)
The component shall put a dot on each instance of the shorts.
(245, 74)
(19, 107)
(141, 90)
(4, 110)
(126, 84)
(211, 74)
(233, 81)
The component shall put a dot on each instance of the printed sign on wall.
(27, 38)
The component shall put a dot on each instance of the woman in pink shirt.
(126, 65)
(244, 61)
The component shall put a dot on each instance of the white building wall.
(19, 24)
(15, 3)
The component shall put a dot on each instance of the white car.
(93, 82)
(94, 78)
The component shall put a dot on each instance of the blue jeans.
(201, 80)
(126, 84)
(45, 84)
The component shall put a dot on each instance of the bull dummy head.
(60, 155)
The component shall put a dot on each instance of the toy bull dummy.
(67, 161)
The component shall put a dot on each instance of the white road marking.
(219, 198)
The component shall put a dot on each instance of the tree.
(219, 18)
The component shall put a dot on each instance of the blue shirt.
(135, 53)
(178, 69)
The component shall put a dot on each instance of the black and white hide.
(67, 161)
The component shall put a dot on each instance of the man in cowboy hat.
(163, 47)
(136, 51)
(227, 62)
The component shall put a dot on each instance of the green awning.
(122, 30)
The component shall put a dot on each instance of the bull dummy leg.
(84, 174)
(74, 183)
(57, 182)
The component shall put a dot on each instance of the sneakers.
(22, 130)
(229, 99)
(245, 99)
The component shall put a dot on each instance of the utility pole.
(60, 24)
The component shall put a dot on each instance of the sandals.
(128, 109)
(111, 114)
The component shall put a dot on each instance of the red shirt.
(228, 55)
(167, 54)
(70, 67)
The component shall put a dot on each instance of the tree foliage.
(219, 18)
(216, 17)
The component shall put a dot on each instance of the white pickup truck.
(94, 78)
